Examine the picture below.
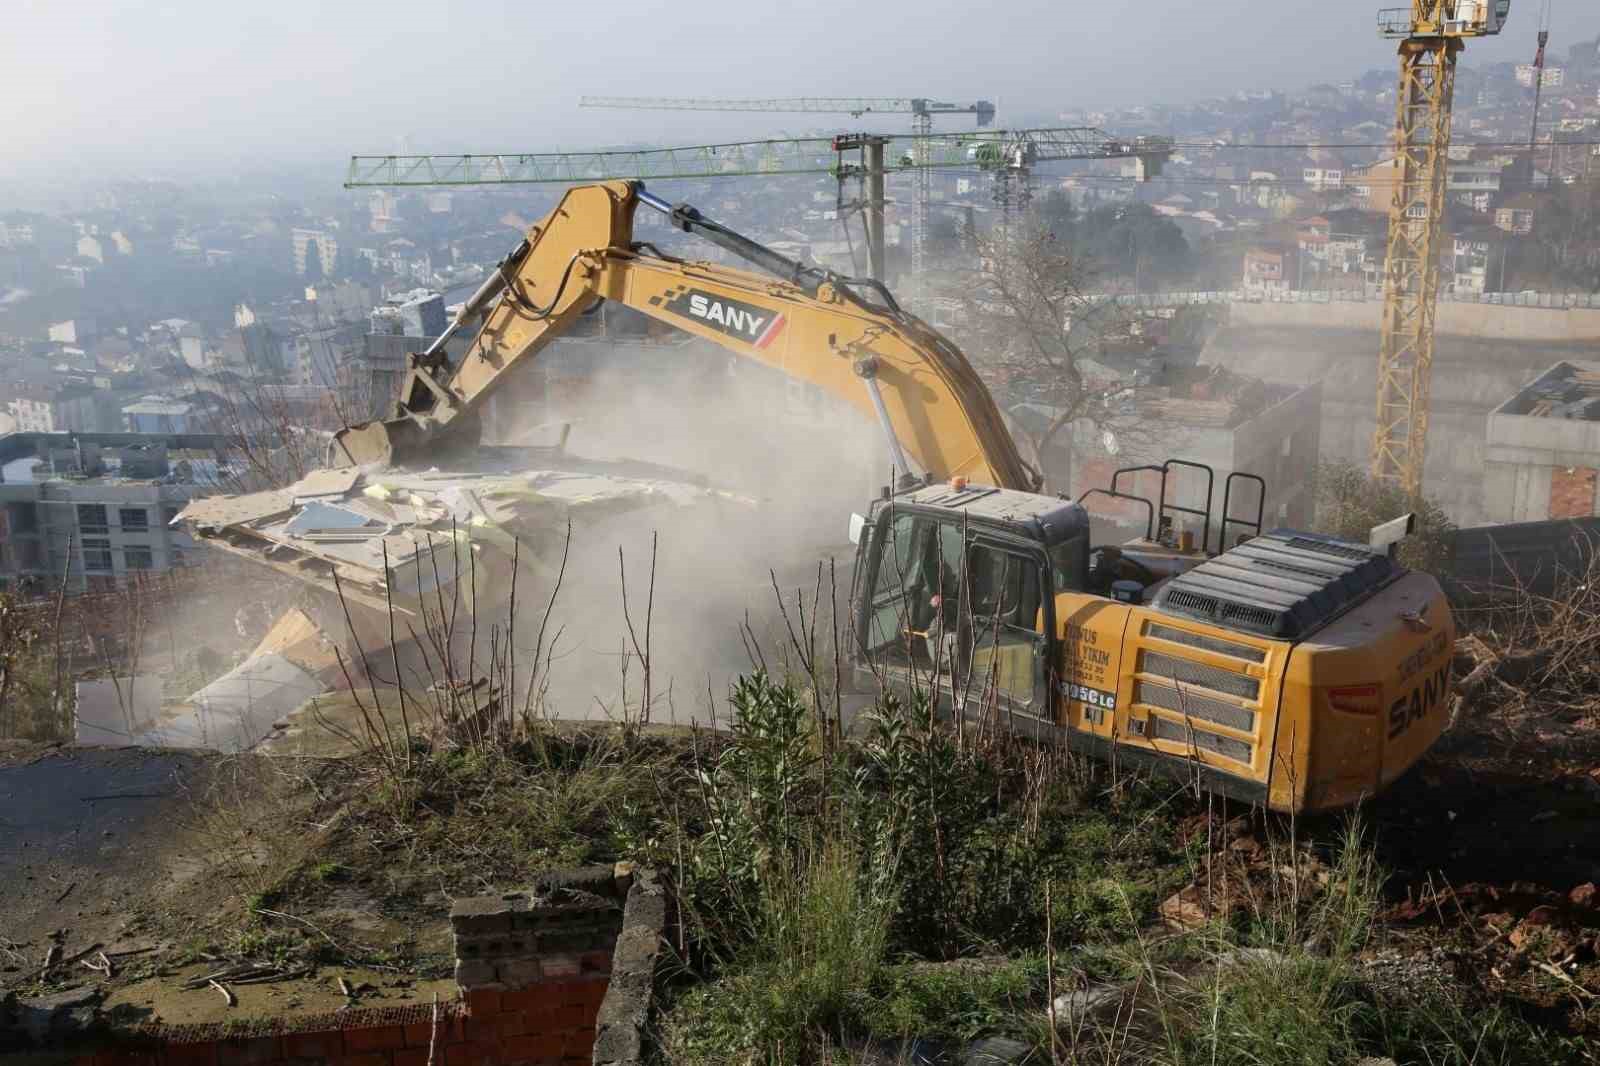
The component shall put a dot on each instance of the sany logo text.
(754, 324)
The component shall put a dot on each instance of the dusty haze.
(189, 88)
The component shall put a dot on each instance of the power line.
(1332, 145)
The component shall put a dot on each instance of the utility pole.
(871, 145)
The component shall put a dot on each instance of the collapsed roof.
(392, 536)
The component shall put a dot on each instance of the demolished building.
(1542, 456)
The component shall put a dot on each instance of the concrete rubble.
(398, 536)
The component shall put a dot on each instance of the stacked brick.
(377, 1036)
(534, 968)
(559, 976)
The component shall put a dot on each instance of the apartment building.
(96, 508)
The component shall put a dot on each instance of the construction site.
(964, 637)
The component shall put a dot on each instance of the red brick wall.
(1572, 492)
(552, 1024)
(534, 971)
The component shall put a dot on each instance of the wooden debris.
(244, 973)
(233, 1001)
(269, 978)
(100, 964)
(1556, 971)
(53, 958)
(433, 1030)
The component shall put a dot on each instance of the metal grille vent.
(1204, 642)
(1269, 587)
(1189, 601)
(1206, 676)
(1303, 572)
(1227, 747)
(1338, 551)
(1253, 617)
(1195, 706)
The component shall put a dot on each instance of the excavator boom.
(845, 336)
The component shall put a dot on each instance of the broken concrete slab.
(329, 482)
(57, 1015)
(1074, 1008)
(218, 512)
(237, 710)
(116, 711)
(398, 535)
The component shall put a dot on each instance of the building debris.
(394, 537)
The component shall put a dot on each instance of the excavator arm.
(810, 324)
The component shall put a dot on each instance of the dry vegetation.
(875, 896)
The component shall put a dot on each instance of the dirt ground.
(87, 833)
(152, 862)
(1493, 844)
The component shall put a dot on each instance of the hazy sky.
(211, 84)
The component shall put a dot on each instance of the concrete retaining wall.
(1480, 321)
(1472, 376)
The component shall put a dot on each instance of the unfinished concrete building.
(1542, 457)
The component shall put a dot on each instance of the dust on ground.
(161, 867)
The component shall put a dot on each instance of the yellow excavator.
(1292, 670)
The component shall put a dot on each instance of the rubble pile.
(395, 536)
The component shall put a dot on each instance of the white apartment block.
(1320, 178)
(1554, 77)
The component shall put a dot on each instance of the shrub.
(1350, 502)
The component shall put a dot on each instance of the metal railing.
(1549, 301)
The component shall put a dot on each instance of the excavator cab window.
(1007, 596)
(917, 586)
(1005, 587)
(934, 581)
(949, 594)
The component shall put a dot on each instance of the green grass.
(893, 852)
(835, 895)
(957, 1002)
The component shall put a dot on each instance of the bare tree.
(1034, 325)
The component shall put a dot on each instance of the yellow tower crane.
(1432, 33)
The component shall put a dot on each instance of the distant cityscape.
(188, 312)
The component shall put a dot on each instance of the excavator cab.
(959, 587)
(956, 586)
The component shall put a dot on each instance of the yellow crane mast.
(1432, 33)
